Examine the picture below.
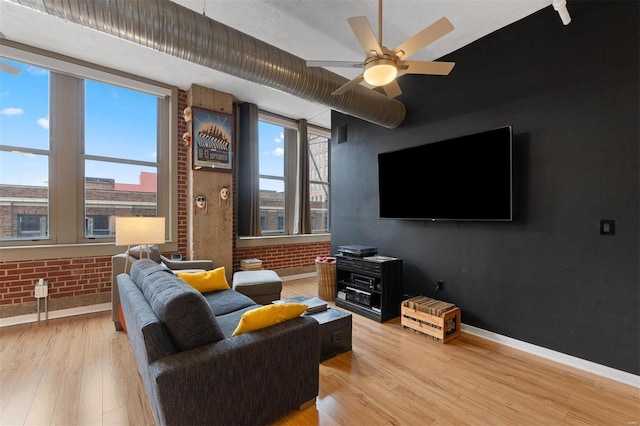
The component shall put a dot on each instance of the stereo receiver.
(358, 296)
(363, 281)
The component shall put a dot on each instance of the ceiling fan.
(382, 65)
(10, 69)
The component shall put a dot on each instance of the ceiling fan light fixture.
(380, 71)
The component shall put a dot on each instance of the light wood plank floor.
(78, 370)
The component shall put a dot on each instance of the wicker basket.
(326, 280)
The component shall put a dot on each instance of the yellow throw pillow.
(268, 315)
(207, 280)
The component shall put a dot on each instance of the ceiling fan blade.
(335, 64)
(392, 89)
(348, 86)
(364, 33)
(425, 67)
(425, 37)
(8, 68)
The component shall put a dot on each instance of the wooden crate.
(441, 328)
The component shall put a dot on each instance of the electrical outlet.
(441, 285)
(41, 291)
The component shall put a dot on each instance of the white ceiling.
(310, 29)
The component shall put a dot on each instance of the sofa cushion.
(206, 281)
(141, 269)
(225, 301)
(268, 315)
(183, 310)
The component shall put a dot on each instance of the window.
(79, 147)
(24, 153)
(98, 225)
(32, 225)
(280, 189)
(271, 147)
(120, 181)
(319, 180)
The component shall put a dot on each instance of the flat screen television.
(467, 178)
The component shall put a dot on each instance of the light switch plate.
(607, 227)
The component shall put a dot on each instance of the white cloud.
(43, 122)
(279, 139)
(278, 152)
(12, 111)
(37, 71)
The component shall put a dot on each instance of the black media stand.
(370, 286)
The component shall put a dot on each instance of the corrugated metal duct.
(170, 28)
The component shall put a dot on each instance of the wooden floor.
(79, 370)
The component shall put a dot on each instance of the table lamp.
(139, 230)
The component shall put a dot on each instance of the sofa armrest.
(177, 265)
(249, 379)
(117, 267)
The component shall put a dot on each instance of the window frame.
(291, 182)
(327, 134)
(290, 125)
(66, 208)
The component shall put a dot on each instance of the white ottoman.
(262, 286)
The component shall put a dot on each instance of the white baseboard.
(298, 276)
(60, 313)
(579, 363)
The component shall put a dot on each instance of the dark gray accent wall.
(548, 278)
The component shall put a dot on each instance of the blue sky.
(24, 99)
(119, 123)
(271, 149)
(24, 121)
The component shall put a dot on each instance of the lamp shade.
(139, 230)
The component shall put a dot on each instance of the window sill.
(65, 251)
(272, 240)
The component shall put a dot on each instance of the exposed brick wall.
(183, 153)
(283, 257)
(68, 278)
(87, 280)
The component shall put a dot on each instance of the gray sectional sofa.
(194, 372)
(124, 260)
